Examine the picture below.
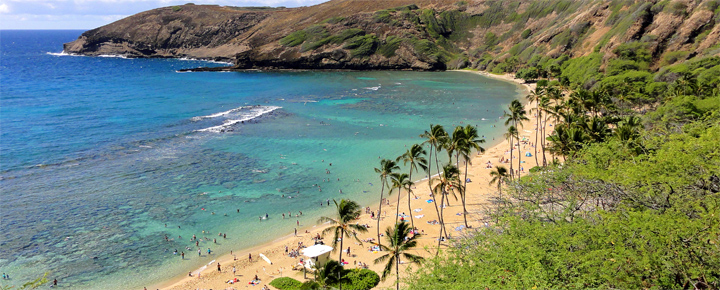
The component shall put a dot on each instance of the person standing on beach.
(234, 271)
(218, 264)
(250, 257)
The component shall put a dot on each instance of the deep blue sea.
(102, 157)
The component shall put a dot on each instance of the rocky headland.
(411, 35)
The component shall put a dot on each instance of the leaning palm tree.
(400, 181)
(510, 135)
(347, 211)
(400, 243)
(447, 183)
(471, 141)
(435, 137)
(386, 168)
(414, 156)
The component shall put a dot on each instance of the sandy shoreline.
(479, 194)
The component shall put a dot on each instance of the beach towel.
(429, 200)
(419, 216)
(460, 228)
(417, 210)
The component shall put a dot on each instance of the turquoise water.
(104, 157)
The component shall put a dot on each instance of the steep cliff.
(420, 35)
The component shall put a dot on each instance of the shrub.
(310, 285)
(286, 283)
(622, 84)
(674, 56)
(334, 20)
(294, 39)
(345, 35)
(383, 16)
(491, 39)
(636, 51)
(676, 8)
(362, 45)
(525, 34)
(362, 279)
(618, 66)
(388, 48)
(176, 8)
(582, 70)
(434, 27)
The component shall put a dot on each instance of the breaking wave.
(235, 116)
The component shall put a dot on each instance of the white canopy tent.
(316, 250)
(321, 253)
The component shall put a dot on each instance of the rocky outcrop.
(407, 34)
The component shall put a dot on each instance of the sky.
(89, 14)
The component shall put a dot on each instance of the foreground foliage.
(607, 220)
(636, 202)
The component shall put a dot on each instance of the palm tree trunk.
(342, 265)
(412, 220)
(512, 172)
(519, 152)
(543, 139)
(442, 198)
(382, 191)
(397, 271)
(397, 207)
(537, 130)
(434, 197)
(464, 193)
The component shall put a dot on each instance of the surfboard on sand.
(265, 258)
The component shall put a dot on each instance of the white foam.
(62, 53)
(113, 56)
(253, 113)
(205, 60)
(373, 88)
(195, 119)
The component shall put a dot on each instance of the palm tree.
(400, 243)
(347, 211)
(535, 96)
(499, 176)
(471, 141)
(329, 274)
(414, 156)
(517, 114)
(435, 137)
(386, 168)
(400, 181)
(544, 107)
(447, 182)
(511, 133)
(452, 144)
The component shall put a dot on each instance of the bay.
(102, 158)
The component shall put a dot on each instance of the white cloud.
(4, 8)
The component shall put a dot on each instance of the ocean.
(108, 165)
